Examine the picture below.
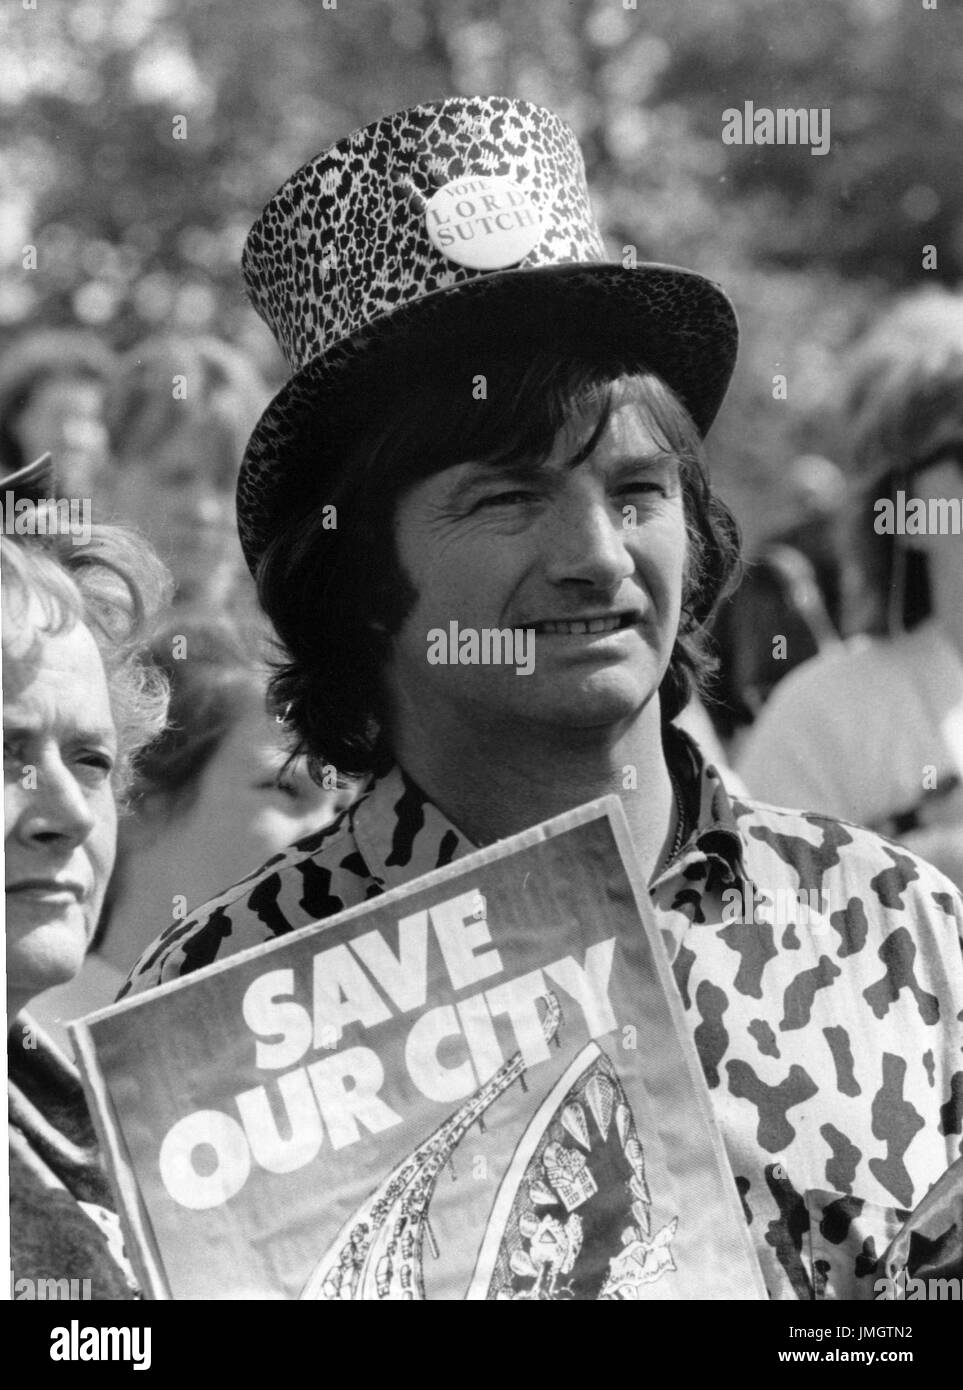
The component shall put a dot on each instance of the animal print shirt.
(820, 971)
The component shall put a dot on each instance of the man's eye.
(510, 498)
(638, 485)
(275, 784)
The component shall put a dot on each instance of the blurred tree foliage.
(135, 228)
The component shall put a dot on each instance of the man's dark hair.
(323, 588)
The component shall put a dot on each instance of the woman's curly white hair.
(116, 586)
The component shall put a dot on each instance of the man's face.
(590, 557)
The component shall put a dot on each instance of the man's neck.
(494, 786)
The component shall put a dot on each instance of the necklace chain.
(681, 826)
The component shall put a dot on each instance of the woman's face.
(60, 817)
(65, 415)
(181, 497)
(238, 817)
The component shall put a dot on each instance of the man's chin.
(600, 704)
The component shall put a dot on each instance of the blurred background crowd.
(142, 139)
(144, 136)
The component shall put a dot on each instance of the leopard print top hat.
(468, 212)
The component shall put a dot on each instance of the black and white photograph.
(482, 661)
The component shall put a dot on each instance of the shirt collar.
(716, 834)
(402, 834)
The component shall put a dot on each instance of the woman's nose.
(57, 807)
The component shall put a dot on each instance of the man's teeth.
(590, 625)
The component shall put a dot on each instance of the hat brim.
(671, 321)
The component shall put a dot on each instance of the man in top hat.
(490, 428)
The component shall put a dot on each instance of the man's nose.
(585, 542)
(57, 809)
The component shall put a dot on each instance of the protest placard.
(479, 1085)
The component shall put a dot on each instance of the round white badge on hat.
(484, 221)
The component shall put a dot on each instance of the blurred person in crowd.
(570, 503)
(813, 579)
(816, 494)
(873, 732)
(697, 722)
(179, 413)
(216, 795)
(52, 391)
(789, 604)
(79, 701)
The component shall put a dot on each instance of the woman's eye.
(13, 760)
(98, 762)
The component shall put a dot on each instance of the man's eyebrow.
(475, 475)
(268, 761)
(658, 458)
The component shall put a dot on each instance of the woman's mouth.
(47, 890)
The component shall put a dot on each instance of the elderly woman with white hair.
(78, 702)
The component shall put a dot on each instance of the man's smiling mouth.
(576, 627)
